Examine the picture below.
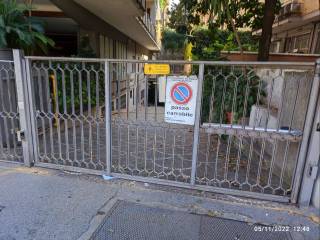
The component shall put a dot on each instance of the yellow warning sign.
(160, 69)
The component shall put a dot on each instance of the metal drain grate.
(131, 221)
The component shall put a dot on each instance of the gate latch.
(21, 135)
(313, 171)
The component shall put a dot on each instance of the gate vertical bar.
(22, 105)
(197, 125)
(303, 167)
(108, 116)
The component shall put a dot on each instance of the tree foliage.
(163, 4)
(173, 41)
(209, 42)
(183, 16)
(233, 14)
(246, 13)
(206, 44)
(19, 31)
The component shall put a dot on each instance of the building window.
(123, 101)
(298, 44)
(302, 43)
(106, 47)
(275, 46)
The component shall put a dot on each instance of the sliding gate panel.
(143, 144)
(69, 96)
(252, 126)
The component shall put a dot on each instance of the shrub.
(19, 31)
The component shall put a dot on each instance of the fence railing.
(251, 127)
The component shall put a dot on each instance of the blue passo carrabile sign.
(181, 93)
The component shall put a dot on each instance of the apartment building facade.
(297, 27)
(122, 29)
(113, 29)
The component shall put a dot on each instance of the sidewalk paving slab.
(38, 203)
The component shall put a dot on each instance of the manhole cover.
(132, 221)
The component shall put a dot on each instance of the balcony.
(147, 23)
(129, 17)
(289, 9)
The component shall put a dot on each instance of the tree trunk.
(234, 29)
(236, 34)
(265, 40)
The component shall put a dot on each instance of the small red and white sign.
(180, 104)
(181, 93)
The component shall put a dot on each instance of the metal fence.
(253, 118)
(106, 116)
(251, 124)
(10, 148)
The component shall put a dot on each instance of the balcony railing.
(288, 9)
(148, 24)
(142, 4)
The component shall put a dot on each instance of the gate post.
(107, 94)
(24, 133)
(197, 123)
(307, 165)
(31, 112)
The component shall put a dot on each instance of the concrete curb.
(95, 222)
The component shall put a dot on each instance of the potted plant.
(225, 90)
(17, 30)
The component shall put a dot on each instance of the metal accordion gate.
(106, 116)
